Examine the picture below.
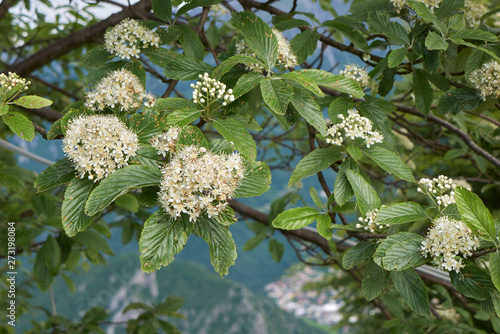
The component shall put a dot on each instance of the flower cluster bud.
(351, 127)
(209, 90)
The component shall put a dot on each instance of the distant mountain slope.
(212, 304)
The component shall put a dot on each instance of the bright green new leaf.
(161, 238)
(400, 213)
(475, 214)
(295, 218)
(20, 125)
(366, 196)
(277, 94)
(314, 162)
(411, 287)
(32, 102)
(120, 182)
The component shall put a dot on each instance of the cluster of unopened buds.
(10, 85)
(357, 74)
(99, 145)
(447, 241)
(128, 38)
(119, 88)
(368, 223)
(208, 90)
(441, 189)
(353, 126)
(166, 141)
(197, 181)
(286, 56)
(486, 79)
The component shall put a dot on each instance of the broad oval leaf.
(335, 82)
(58, 173)
(119, 183)
(257, 180)
(475, 214)
(361, 251)
(411, 287)
(314, 162)
(374, 281)
(366, 196)
(236, 133)
(277, 94)
(400, 213)
(295, 218)
(73, 215)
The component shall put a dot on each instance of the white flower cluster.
(487, 79)
(441, 188)
(166, 141)
(446, 240)
(128, 38)
(357, 74)
(208, 90)
(119, 88)
(285, 53)
(369, 222)
(11, 82)
(431, 4)
(196, 181)
(354, 126)
(99, 145)
(473, 11)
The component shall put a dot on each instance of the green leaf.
(457, 100)
(246, 83)
(421, 9)
(96, 56)
(195, 3)
(183, 117)
(96, 73)
(94, 240)
(178, 66)
(361, 251)
(119, 183)
(47, 263)
(376, 110)
(400, 213)
(354, 151)
(229, 63)
(128, 202)
(494, 261)
(335, 82)
(404, 254)
(374, 281)
(289, 24)
(343, 191)
(4, 109)
(161, 238)
(380, 23)
(366, 196)
(475, 60)
(434, 41)
(258, 35)
(390, 162)
(411, 287)
(236, 133)
(58, 173)
(277, 94)
(276, 249)
(396, 57)
(423, 91)
(306, 106)
(254, 241)
(473, 282)
(351, 34)
(20, 125)
(314, 162)
(448, 8)
(304, 44)
(295, 218)
(191, 135)
(73, 214)
(340, 106)
(220, 241)
(173, 103)
(302, 80)
(324, 226)
(32, 102)
(475, 34)
(191, 43)
(147, 125)
(162, 9)
(475, 214)
(257, 180)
